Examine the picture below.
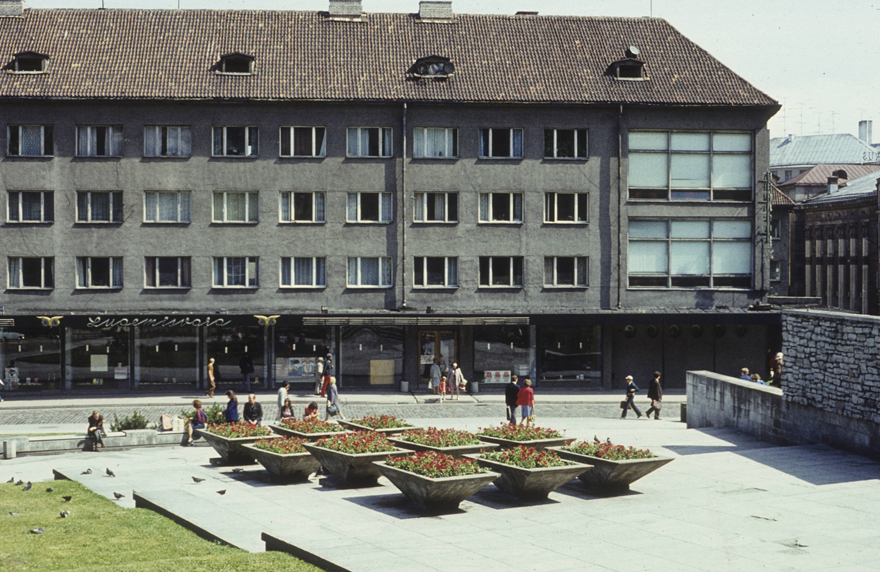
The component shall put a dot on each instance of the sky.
(813, 56)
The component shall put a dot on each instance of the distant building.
(813, 181)
(790, 156)
(780, 243)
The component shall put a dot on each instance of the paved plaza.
(727, 502)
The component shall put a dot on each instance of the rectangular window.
(690, 166)
(435, 272)
(501, 207)
(235, 141)
(31, 206)
(501, 271)
(775, 226)
(566, 143)
(435, 207)
(501, 143)
(303, 272)
(236, 272)
(565, 207)
(99, 140)
(98, 272)
(99, 206)
(236, 207)
(303, 142)
(369, 142)
(167, 141)
(775, 271)
(369, 207)
(32, 273)
(31, 140)
(566, 271)
(167, 272)
(690, 253)
(302, 207)
(435, 142)
(164, 206)
(373, 272)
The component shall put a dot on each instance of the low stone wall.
(12, 447)
(832, 362)
(763, 411)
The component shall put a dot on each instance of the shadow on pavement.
(398, 506)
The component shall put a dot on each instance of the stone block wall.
(832, 362)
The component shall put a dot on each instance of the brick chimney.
(435, 10)
(832, 185)
(345, 8)
(11, 8)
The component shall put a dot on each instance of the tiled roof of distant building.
(173, 54)
(799, 150)
(818, 175)
(780, 199)
(860, 188)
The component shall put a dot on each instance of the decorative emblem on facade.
(50, 322)
(266, 320)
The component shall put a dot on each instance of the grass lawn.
(100, 536)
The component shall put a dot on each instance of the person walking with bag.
(526, 401)
(333, 400)
(631, 389)
(511, 394)
(655, 394)
(328, 373)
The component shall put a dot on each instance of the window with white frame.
(692, 165)
(501, 143)
(167, 141)
(435, 272)
(167, 272)
(302, 207)
(99, 206)
(566, 144)
(167, 206)
(31, 206)
(501, 207)
(501, 271)
(435, 142)
(236, 207)
(690, 253)
(236, 272)
(31, 140)
(369, 207)
(369, 142)
(235, 141)
(562, 271)
(303, 142)
(32, 272)
(565, 207)
(369, 272)
(98, 272)
(99, 140)
(435, 207)
(303, 272)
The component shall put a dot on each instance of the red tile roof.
(818, 175)
(161, 54)
(780, 199)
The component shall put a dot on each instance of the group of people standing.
(522, 398)
(453, 381)
(655, 394)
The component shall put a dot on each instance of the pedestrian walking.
(442, 388)
(526, 401)
(231, 411)
(333, 407)
(282, 397)
(655, 394)
(455, 381)
(328, 373)
(246, 366)
(211, 383)
(631, 390)
(511, 393)
(319, 375)
(434, 382)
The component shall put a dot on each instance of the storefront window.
(371, 356)
(34, 356)
(570, 354)
(296, 352)
(167, 356)
(99, 358)
(500, 351)
(227, 345)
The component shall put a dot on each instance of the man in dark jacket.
(510, 393)
(655, 394)
(246, 365)
(253, 411)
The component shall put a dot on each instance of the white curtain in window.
(581, 270)
(31, 140)
(386, 142)
(319, 207)
(303, 271)
(173, 141)
(690, 142)
(517, 143)
(151, 203)
(369, 271)
(439, 206)
(648, 170)
(484, 206)
(236, 207)
(285, 271)
(419, 207)
(235, 271)
(352, 271)
(219, 214)
(31, 206)
(690, 258)
(419, 136)
(690, 171)
(385, 264)
(84, 135)
(732, 258)
(352, 211)
(100, 206)
(690, 229)
(451, 271)
(647, 257)
(387, 207)
(168, 207)
(648, 140)
(14, 272)
(152, 141)
(185, 209)
(732, 229)
(117, 272)
(732, 171)
(82, 272)
(647, 229)
(253, 207)
(352, 139)
(741, 142)
(185, 149)
(115, 140)
(285, 207)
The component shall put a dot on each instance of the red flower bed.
(282, 445)
(434, 437)
(520, 432)
(237, 430)
(609, 451)
(357, 442)
(311, 425)
(381, 422)
(436, 465)
(526, 457)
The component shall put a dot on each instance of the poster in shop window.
(295, 369)
(496, 376)
(99, 362)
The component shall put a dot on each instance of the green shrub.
(134, 421)
(214, 413)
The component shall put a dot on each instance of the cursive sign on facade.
(166, 322)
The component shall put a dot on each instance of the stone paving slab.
(742, 505)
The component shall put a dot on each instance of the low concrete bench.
(24, 445)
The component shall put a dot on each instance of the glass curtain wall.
(98, 358)
(227, 345)
(297, 350)
(34, 356)
(167, 357)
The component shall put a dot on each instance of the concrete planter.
(610, 475)
(354, 469)
(389, 431)
(445, 492)
(232, 451)
(457, 452)
(531, 483)
(292, 467)
(281, 430)
(538, 444)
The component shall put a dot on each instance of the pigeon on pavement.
(49, 490)
(223, 492)
(86, 472)
(118, 495)
(110, 473)
(65, 513)
(27, 487)
(595, 439)
(11, 480)
(67, 498)
(198, 480)
(38, 531)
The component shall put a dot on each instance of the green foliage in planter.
(436, 465)
(134, 421)
(609, 451)
(520, 432)
(434, 437)
(214, 413)
(237, 430)
(357, 442)
(526, 457)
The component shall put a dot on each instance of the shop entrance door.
(439, 345)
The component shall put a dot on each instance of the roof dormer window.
(632, 67)
(29, 62)
(236, 64)
(436, 67)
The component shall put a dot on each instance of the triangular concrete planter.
(457, 452)
(530, 484)
(435, 493)
(389, 431)
(354, 469)
(281, 430)
(232, 451)
(538, 444)
(285, 467)
(610, 475)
